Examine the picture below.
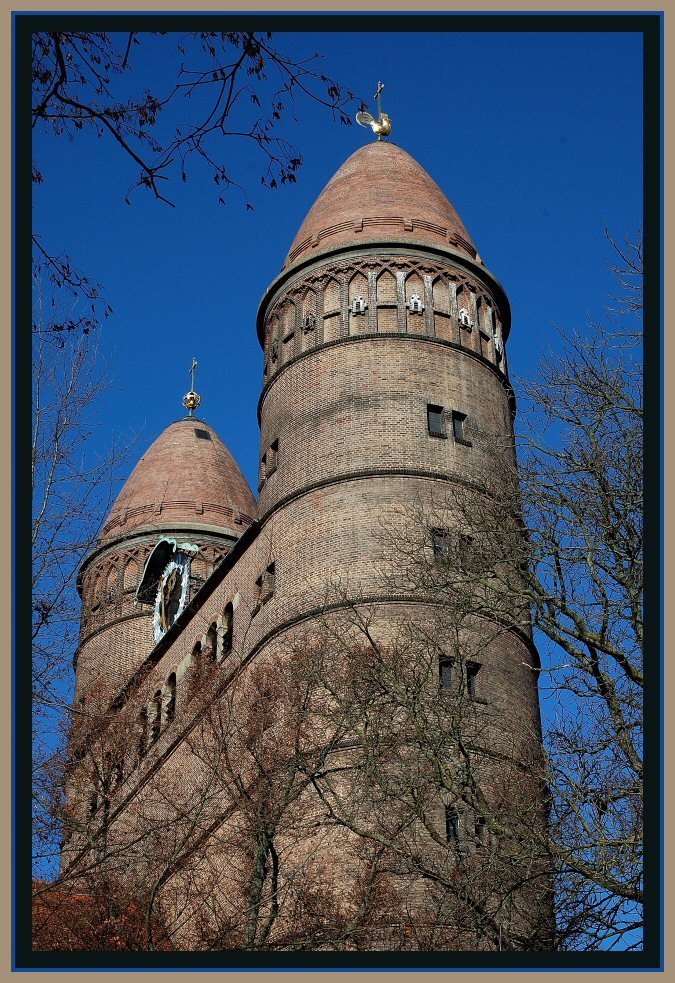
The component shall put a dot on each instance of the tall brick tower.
(385, 389)
(184, 505)
(385, 393)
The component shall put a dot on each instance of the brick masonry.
(358, 341)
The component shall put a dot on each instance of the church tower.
(179, 513)
(385, 398)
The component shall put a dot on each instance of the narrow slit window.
(445, 671)
(452, 825)
(439, 539)
(212, 644)
(170, 698)
(435, 420)
(156, 717)
(228, 621)
(272, 455)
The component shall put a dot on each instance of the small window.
(272, 455)
(435, 420)
(156, 724)
(142, 732)
(170, 698)
(211, 652)
(439, 539)
(445, 668)
(196, 670)
(482, 831)
(472, 670)
(228, 624)
(452, 825)
(202, 434)
(118, 767)
(458, 428)
(265, 585)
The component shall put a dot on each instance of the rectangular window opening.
(439, 539)
(435, 420)
(445, 669)
(452, 825)
(459, 429)
(472, 670)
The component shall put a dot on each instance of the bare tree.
(228, 87)
(582, 480)
(558, 543)
(72, 490)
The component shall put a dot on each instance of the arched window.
(156, 717)
(196, 670)
(169, 699)
(142, 726)
(228, 626)
(211, 652)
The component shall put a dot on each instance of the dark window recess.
(212, 643)
(452, 825)
(170, 698)
(445, 670)
(265, 584)
(202, 434)
(228, 619)
(472, 670)
(439, 539)
(435, 420)
(481, 831)
(156, 716)
(272, 455)
(458, 428)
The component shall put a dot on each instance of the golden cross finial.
(378, 98)
(192, 399)
(380, 126)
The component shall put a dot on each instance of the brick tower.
(185, 502)
(385, 393)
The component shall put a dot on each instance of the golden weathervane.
(192, 399)
(380, 126)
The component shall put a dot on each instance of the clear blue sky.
(535, 138)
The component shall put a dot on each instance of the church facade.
(313, 726)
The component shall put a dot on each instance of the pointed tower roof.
(186, 478)
(379, 193)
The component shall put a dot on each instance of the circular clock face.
(171, 596)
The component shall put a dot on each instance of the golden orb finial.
(192, 399)
(380, 126)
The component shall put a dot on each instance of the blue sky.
(534, 137)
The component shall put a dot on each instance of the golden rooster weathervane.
(380, 126)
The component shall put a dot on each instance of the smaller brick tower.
(184, 505)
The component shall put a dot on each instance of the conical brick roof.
(186, 478)
(380, 193)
